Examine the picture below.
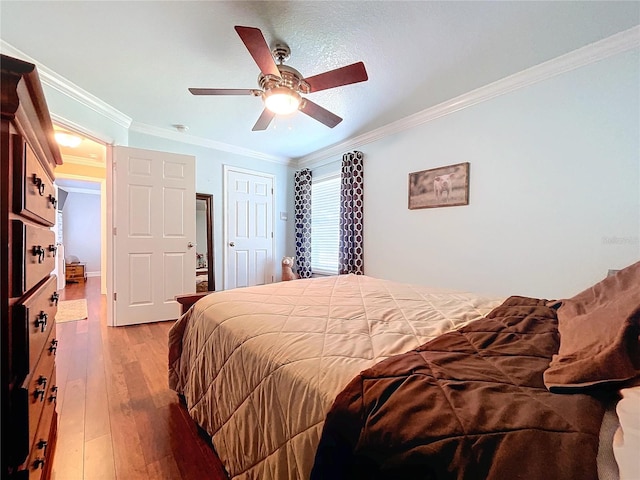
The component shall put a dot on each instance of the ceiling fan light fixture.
(282, 100)
(66, 139)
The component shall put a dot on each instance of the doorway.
(81, 185)
(79, 228)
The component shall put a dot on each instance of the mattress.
(260, 367)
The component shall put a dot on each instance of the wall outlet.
(283, 216)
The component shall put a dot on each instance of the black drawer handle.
(54, 298)
(39, 184)
(53, 398)
(53, 348)
(54, 249)
(38, 463)
(38, 393)
(53, 201)
(42, 445)
(41, 321)
(39, 252)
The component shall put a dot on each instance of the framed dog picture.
(439, 187)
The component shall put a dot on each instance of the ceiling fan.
(281, 86)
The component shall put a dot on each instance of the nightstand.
(186, 301)
(75, 272)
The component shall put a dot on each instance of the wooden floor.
(117, 417)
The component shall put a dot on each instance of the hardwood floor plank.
(128, 457)
(69, 456)
(78, 365)
(98, 459)
(149, 421)
(155, 372)
(164, 469)
(68, 463)
(72, 417)
(97, 422)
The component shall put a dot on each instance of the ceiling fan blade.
(265, 119)
(319, 113)
(225, 91)
(256, 44)
(353, 73)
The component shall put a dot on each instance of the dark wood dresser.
(28, 296)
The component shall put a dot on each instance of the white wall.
(81, 229)
(554, 189)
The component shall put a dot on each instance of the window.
(325, 225)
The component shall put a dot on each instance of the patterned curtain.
(351, 258)
(302, 190)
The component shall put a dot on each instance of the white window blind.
(325, 225)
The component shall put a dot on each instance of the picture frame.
(439, 187)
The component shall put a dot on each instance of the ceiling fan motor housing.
(289, 78)
(281, 52)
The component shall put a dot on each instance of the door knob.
(232, 244)
(190, 245)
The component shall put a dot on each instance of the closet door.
(249, 228)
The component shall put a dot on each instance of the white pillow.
(626, 441)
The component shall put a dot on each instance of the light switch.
(283, 216)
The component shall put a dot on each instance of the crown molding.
(57, 82)
(203, 142)
(97, 163)
(85, 191)
(77, 128)
(594, 52)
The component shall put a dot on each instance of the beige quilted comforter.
(259, 367)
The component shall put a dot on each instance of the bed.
(275, 375)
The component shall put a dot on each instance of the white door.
(154, 235)
(249, 228)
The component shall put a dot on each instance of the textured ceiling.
(140, 57)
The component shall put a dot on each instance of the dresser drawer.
(34, 195)
(36, 395)
(42, 393)
(41, 450)
(38, 312)
(34, 255)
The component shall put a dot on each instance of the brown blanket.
(470, 404)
